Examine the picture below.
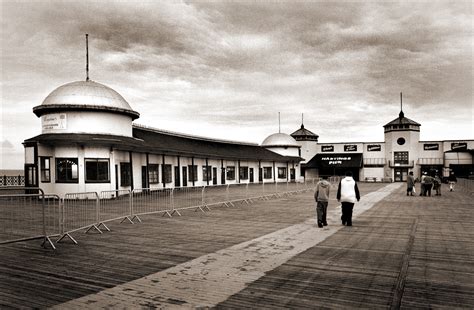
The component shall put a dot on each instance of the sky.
(226, 69)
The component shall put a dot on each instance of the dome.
(280, 139)
(85, 95)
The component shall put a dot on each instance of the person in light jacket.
(347, 194)
(321, 195)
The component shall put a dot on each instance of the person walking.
(437, 185)
(321, 195)
(410, 183)
(422, 184)
(428, 185)
(452, 181)
(347, 194)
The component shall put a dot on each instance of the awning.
(336, 160)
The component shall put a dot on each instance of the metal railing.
(28, 216)
(12, 180)
(31, 216)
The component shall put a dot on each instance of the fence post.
(45, 236)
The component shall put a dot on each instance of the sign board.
(459, 146)
(54, 121)
(350, 148)
(327, 148)
(431, 147)
(374, 148)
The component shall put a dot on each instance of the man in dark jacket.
(321, 195)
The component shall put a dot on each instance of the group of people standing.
(427, 183)
(347, 194)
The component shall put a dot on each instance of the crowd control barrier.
(30, 214)
(465, 185)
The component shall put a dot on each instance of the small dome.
(85, 95)
(280, 139)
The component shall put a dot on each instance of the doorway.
(214, 175)
(185, 176)
(177, 177)
(401, 174)
(251, 179)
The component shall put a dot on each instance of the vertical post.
(87, 57)
(131, 169)
(192, 169)
(147, 182)
(207, 171)
(163, 170)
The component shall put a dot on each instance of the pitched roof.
(304, 133)
(402, 120)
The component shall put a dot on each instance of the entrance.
(177, 178)
(214, 175)
(292, 174)
(222, 176)
(401, 174)
(144, 180)
(251, 175)
(185, 176)
(30, 176)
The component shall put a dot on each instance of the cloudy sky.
(226, 69)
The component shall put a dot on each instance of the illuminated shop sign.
(374, 148)
(459, 146)
(350, 148)
(327, 148)
(431, 147)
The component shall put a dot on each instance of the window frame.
(282, 175)
(267, 172)
(230, 173)
(243, 173)
(43, 169)
(96, 160)
(154, 173)
(167, 175)
(192, 173)
(125, 180)
(399, 157)
(58, 174)
(206, 173)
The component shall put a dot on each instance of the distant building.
(390, 160)
(89, 143)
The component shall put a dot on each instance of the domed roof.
(280, 139)
(85, 95)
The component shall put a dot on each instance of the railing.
(28, 216)
(10, 180)
(32, 216)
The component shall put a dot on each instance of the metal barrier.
(79, 211)
(114, 205)
(152, 200)
(28, 216)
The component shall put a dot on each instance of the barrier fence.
(36, 215)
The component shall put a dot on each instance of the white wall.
(87, 122)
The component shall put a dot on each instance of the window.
(244, 173)
(401, 141)
(45, 169)
(281, 172)
(125, 174)
(97, 170)
(66, 170)
(193, 173)
(166, 173)
(400, 157)
(206, 173)
(267, 172)
(153, 174)
(230, 171)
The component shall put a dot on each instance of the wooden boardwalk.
(404, 252)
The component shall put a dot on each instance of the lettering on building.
(350, 148)
(459, 146)
(54, 121)
(327, 148)
(374, 148)
(336, 160)
(431, 147)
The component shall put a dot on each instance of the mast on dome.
(87, 57)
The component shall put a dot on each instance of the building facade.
(89, 143)
(390, 160)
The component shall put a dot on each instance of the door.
(251, 175)
(401, 174)
(185, 176)
(177, 179)
(144, 179)
(214, 175)
(116, 178)
(292, 174)
(260, 175)
(30, 175)
(222, 176)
